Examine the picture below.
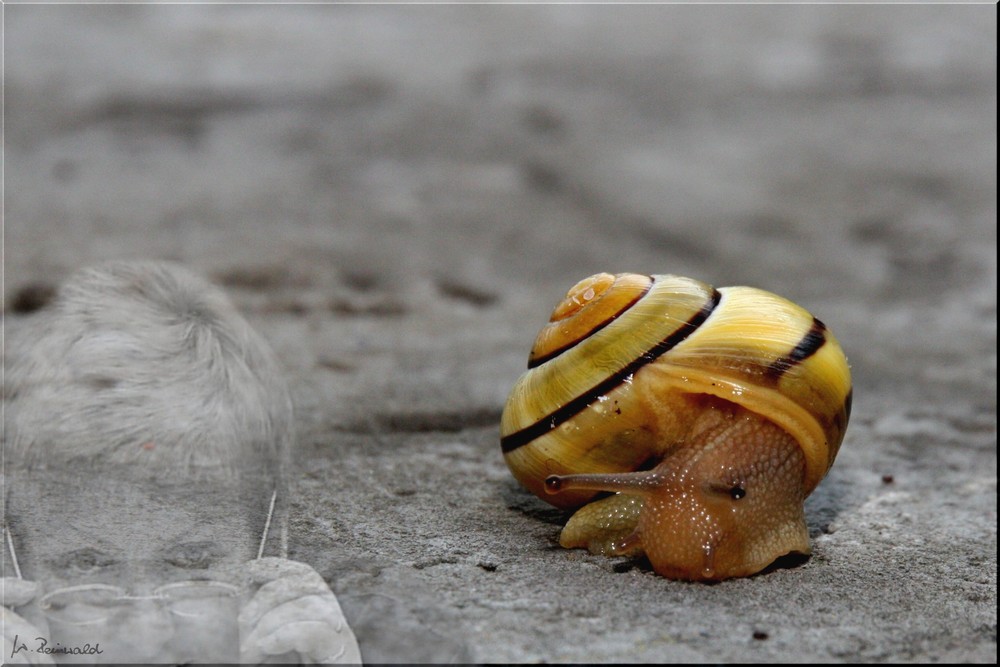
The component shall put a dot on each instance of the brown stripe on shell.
(533, 363)
(814, 339)
(843, 415)
(580, 403)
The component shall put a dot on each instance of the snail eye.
(732, 490)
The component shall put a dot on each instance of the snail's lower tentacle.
(626, 546)
(636, 483)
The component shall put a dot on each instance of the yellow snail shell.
(712, 413)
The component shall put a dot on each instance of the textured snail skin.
(712, 413)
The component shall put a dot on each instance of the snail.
(710, 414)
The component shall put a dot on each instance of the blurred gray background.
(396, 197)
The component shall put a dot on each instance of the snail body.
(711, 413)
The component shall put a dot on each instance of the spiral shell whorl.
(588, 307)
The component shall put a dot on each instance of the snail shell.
(712, 413)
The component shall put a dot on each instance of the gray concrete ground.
(397, 196)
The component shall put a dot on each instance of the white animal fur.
(145, 364)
